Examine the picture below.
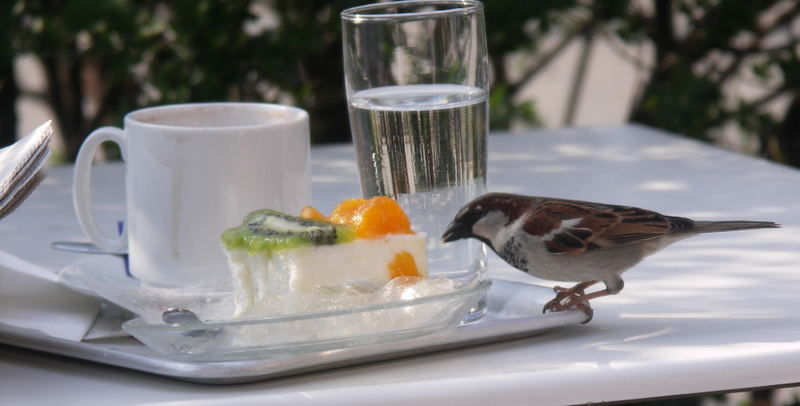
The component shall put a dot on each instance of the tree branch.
(759, 33)
(621, 52)
(54, 96)
(760, 102)
(546, 58)
(8, 97)
(587, 40)
(664, 34)
(104, 105)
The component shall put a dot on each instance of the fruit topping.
(271, 231)
(373, 218)
(403, 265)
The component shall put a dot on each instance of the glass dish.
(299, 333)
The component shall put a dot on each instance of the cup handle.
(81, 196)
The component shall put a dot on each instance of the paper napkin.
(20, 165)
(32, 298)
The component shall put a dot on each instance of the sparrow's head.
(486, 216)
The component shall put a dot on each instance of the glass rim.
(366, 12)
(139, 118)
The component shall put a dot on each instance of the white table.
(714, 313)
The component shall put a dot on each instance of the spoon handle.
(84, 248)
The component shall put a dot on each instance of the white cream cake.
(272, 255)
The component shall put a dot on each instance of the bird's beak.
(456, 231)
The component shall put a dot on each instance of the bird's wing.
(635, 225)
(572, 227)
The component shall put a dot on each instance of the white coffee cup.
(192, 171)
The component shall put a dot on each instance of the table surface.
(713, 313)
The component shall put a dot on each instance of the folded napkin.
(32, 298)
(20, 165)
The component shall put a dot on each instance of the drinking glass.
(416, 74)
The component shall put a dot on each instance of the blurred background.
(721, 71)
(724, 71)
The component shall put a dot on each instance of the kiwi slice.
(269, 231)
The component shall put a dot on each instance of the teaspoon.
(84, 248)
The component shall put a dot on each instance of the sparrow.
(575, 241)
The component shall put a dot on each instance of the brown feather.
(549, 218)
(600, 226)
(635, 225)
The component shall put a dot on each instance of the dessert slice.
(363, 242)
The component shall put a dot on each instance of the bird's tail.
(716, 226)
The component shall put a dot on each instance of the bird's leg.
(581, 302)
(574, 298)
(577, 298)
(564, 293)
(575, 290)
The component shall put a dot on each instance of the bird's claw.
(563, 293)
(561, 289)
(553, 306)
(587, 310)
(567, 300)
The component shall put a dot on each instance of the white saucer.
(104, 276)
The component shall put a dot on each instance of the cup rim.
(134, 117)
(363, 13)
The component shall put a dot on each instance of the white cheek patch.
(495, 228)
(491, 227)
(569, 223)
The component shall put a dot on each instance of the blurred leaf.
(761, 70)
(682, 102)
(119, 55)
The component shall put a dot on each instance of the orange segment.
(381, 216)
(403, 265)
(309, 212)
(346, 212)
(373, 218)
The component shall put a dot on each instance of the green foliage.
(504, 113)
(682, 102)
(117, 55)
(722, 40)
(151, 52)
(514, 27)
